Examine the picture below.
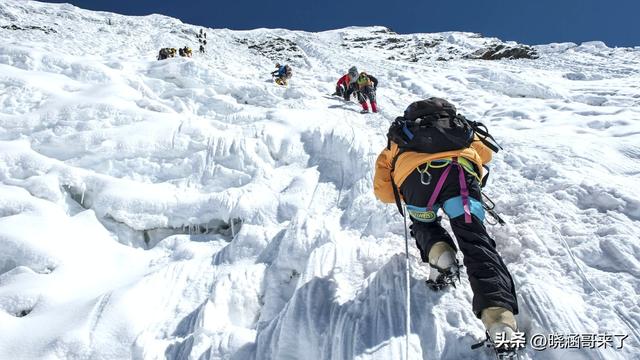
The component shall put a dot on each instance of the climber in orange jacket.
(447, 178)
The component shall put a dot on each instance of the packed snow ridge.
(191, 209)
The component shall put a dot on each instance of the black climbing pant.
(366, 93)
(489, 277)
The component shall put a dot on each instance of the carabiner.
(487, 203)
(496, 217)
(422, 180)
(423, 173)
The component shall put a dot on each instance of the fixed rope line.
(584, 277)
(407, 286)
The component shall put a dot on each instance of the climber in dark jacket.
(282, 74)
(365, 88)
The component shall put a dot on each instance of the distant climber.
(282, 74)
(366, 86)
(185, 51)
(346, 82)
(434, 160)
(166, 53)
(201, 49)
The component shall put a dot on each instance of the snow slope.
(190, 209)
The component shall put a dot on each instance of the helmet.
(353, 71)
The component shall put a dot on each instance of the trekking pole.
(407, 284)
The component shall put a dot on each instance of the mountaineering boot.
(374, 107)
(365, 107)
(501, 326)
(501, 333)
(442, 255)
(444, 266)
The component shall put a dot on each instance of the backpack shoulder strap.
(396, 191)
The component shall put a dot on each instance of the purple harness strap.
(464, 191)
(438, 188)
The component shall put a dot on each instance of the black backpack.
(434, 126)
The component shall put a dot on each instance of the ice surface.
(190, 209)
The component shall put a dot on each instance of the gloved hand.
(411, 231)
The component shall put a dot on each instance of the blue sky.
(531, 21)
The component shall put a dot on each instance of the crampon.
(445, 277)
(502, 352)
